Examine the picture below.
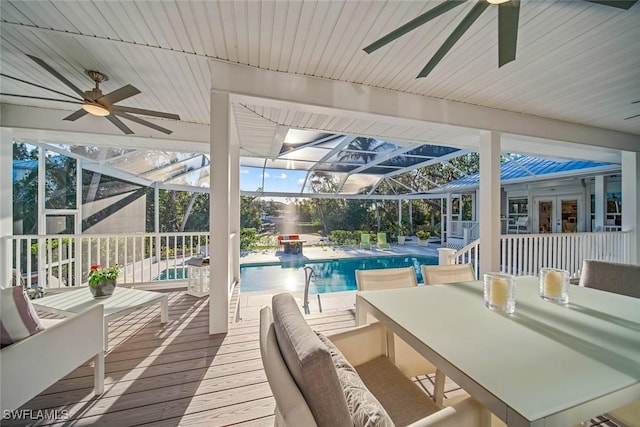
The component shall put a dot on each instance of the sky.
(275, 180)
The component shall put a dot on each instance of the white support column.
(234, 198)
(449, 218)
(631, 201)
(219, 224)
(77, 227)
(600, 203)
(156, 221)
(410, 202)
(6, 208)
(489, 202)
(399, 216)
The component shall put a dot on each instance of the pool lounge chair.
(382, 242)
(365, 241)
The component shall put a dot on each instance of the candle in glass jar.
(499, 291)
(553, 284)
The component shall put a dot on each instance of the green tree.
(250, 211)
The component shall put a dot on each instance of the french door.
(558, 214)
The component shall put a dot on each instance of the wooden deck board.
(173, 374)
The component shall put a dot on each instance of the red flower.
(95, 267)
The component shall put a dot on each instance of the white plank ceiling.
(576, 61)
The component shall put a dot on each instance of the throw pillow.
(365, 409)
(18, 317)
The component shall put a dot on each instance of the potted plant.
(102, 281)
(423, 237)
(403, 229)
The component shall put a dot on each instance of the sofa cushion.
(18, 317)
(363, 406)
(309, 363)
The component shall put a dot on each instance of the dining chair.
(410, 362)
(621, 279)
(345, 379)
(599, 275)
(448, 273)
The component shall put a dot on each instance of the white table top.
(78, 300)
(547, 364)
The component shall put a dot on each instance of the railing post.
(446, 256)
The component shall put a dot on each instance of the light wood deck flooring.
(172, 374)
(176, 374)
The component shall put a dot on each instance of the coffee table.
(122, 302)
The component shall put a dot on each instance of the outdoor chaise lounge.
(382, 242)
(365, 241)
(344, 378)
(65, 343)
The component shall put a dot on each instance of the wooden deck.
(178, 374)
(172, 374)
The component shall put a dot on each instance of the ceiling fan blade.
(144, 122)
(118, 95)
(463, 26)
(40, 97)
(42, 87)
(635, 102)
(620, 4)
(508, 15)
(633, 117)
(116, 121)
(413, 24)
(122, 109)
(58, 75)
(76, 115)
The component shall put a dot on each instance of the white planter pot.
(423, 242)
(401, 240)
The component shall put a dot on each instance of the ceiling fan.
(508, 14)
(96, 103)
(637, 115)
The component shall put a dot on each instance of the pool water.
(330, 275)
(173, 274)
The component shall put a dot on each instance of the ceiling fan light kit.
(95, 109)
(95, 103)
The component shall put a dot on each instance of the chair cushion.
(363, 406)
(403, 400)
(309, 363)
(18, 317)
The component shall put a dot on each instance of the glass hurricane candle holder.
(499, 292)
(554, 285)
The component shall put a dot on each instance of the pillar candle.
(553, 284)
(499, 291)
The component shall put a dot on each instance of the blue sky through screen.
(275, 180)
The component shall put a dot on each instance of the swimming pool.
(330, 275)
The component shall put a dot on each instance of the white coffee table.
(122, 302)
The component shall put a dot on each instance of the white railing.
(526, 254)
(53, 261)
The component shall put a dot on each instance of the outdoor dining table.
(548, 364)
